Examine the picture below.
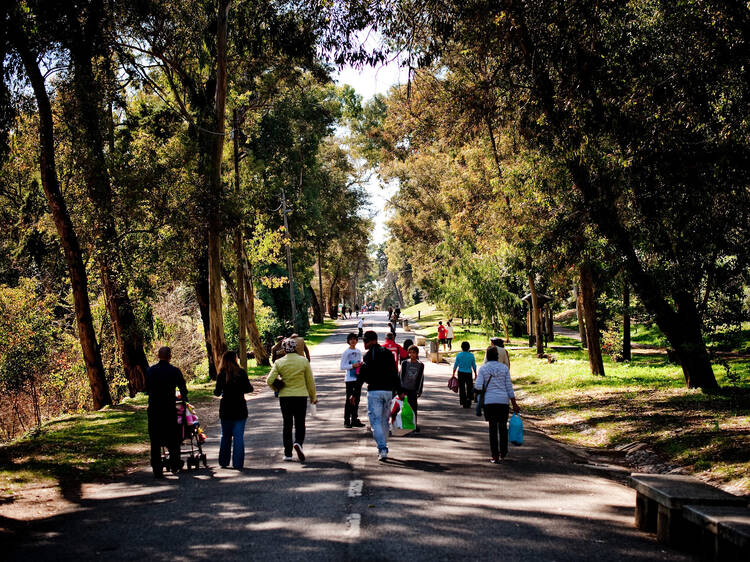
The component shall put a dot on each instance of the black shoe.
(347, 424)
(357, 423)
(159, 475)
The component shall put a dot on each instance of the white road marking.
(353, 522)
(355, 488)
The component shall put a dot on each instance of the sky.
(367, 82)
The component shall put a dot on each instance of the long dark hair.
(229, 366)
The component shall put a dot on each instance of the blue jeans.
(379, 410)
(232, 429)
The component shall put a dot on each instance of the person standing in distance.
(442, 334)
(360, 327)
(380, 373)
(449, 335)
(162, 379)
(351, 361)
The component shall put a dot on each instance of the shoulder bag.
(480, 402)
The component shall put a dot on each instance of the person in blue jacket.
(466, 365)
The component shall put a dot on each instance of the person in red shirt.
(442, 334)
(399, 353)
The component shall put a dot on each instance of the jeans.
(232, 430)
(353, 390)
(379, 411)
(497, 415)
(293, 410)
(465, 389)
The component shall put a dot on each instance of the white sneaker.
(288, 459)
(382, 456)
(300, 452)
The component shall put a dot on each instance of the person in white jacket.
(493, 380)
(351, 361)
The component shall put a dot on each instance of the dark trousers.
(163, 430)
(293, 410)
(353, 390)
(465, 389)
(449, 341)
(497, 415)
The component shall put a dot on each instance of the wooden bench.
(660, 498)
(718, 532)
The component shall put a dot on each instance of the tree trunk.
(215, 305)
(318, 312)
(256, 342)
(626, 352)
(536, 317)
(592, 330)
(97, 181)
(579, 316)
(550, 325)
(241, 304)
(317, 308)
(201, 294)
(68, 237)
(333, 309)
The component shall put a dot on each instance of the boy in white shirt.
(351, 361)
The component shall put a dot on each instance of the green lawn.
(318, 332)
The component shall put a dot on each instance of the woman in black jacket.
(232, 384)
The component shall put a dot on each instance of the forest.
(170, 170)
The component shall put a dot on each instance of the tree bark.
(256, 342)
(579, 316)
(99, 190)
(536, 317)
(317, 308)
(626, 347)
(201, 294)
(215, 304)
(333, 309)
(589, 312)
(68, 237)
(240, 300)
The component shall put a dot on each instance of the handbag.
(480, 401)
(278, 384)
(453, 383)
(515, 430)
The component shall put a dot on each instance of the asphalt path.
(436, 498)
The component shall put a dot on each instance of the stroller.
(191, 435)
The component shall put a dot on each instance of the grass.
(644, 400)
(90, 446)
(318, 332)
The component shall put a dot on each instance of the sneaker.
(347, 424)
(494, 460)
(300, 453)
(382, 456)
(288, 459)
(357, 423)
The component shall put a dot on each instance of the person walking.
(442, 334)
(277, 351)
(232, 384)
(380, 373)
(351, 361)
(502, 353)
(162, 379)
(399, 353)
(412, 380)
(449, 335)
(298, 384)
(465, 364)
(360, 327)
(493, 381)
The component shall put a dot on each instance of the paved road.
(435, 499)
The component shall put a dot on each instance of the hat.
(289, 345)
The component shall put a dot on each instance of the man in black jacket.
(162, 380)
(380, 372)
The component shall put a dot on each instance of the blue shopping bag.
(515, 430)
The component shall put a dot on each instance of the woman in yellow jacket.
(298, 383)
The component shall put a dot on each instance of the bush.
(612, 343)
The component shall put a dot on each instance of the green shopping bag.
(407, 415)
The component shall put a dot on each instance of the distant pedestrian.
(351, 361)
(399, 353)
(449, 335)
(442, 334)
(392, 328)
(301, 348)
(412, 380)
(232, 384)
(277, 351)
(298, 384)
(360, 327)
(493, 380)
(380, 373)
(162, 380)
(466, 365)
(407, 344)
(502, 353)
